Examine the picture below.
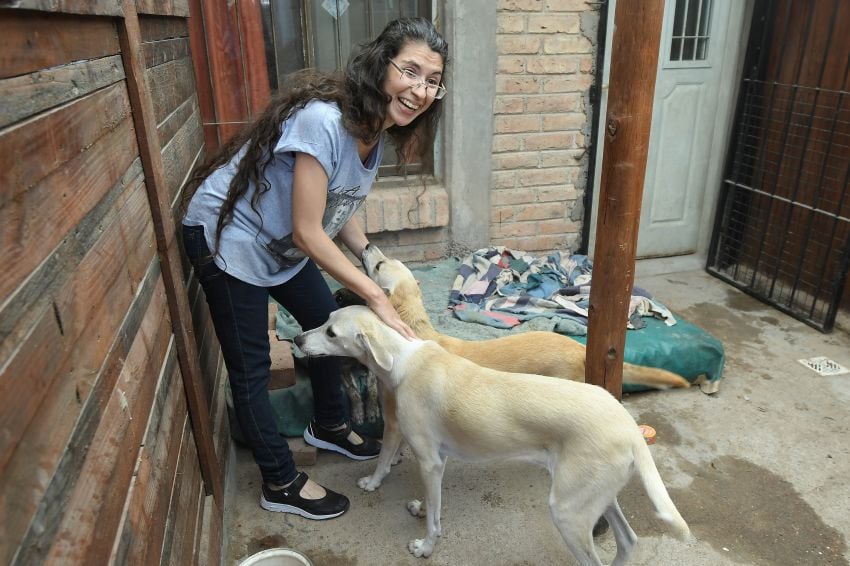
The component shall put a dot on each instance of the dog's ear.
(375, 350)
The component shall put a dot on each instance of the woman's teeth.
(408, 104)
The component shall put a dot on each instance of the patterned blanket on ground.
(503, 288)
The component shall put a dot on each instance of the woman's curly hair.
(359, 94)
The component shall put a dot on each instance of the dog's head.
(353, 332)
(389, 274)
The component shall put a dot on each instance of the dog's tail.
(652, 377)
(664, 506)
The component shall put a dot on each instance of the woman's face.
(406, 101)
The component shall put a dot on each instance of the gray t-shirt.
(259, 250)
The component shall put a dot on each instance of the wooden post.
(634, 61)
(254, 56)
(150, 153)
(221, 32)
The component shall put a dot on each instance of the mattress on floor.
(683, 348)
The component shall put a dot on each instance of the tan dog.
(447, 405)
(541, 353)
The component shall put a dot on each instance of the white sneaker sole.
(318, 443)
(284, 508)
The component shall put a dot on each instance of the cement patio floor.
(759, 470)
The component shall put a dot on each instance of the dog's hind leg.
(575, 507)
(623, 533)
(431, 466)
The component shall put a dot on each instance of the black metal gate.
(782, 229)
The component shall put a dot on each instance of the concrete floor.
(759, 470)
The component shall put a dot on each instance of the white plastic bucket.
(277, 557)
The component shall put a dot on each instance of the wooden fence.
(113, 431)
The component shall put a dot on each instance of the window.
(691, 30)
(322, 34)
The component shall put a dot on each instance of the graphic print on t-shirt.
(340, 207)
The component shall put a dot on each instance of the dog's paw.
(416, 508)
(369, 483)
(420, 548)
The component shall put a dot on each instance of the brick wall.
(546, 55)
(408, 223)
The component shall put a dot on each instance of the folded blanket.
(502, 288)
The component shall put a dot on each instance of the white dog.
(447, 405)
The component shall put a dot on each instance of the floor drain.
(824, 366)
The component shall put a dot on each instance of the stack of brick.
(541, 123)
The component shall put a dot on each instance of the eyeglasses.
(432, 87)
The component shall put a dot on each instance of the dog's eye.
(330, 332)
(378, 265)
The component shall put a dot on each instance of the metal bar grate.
(782, 229)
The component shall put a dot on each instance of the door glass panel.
(286, 51)
(691, 30)
(679, 18)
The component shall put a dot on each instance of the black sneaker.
(337, 440)
(289, 500)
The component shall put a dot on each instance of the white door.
(695, 85)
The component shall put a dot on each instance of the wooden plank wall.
(99, 459)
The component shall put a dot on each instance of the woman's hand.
(385, 311)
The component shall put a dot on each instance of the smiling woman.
(261, 217)
(323, 36)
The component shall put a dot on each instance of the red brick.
(563, 158)
(283, 366)
(542, 211)
(552, 176)
(547, 194)
(510, 65)
(521, 5)
(548, 23)
(515, 160)
(509, 105)
(302, 453)
(557, 226)
(506, 142)
(513, 124)
(510, 23)
(567, 44)
(578, 82)
(552, 65)
(559, 140)
(513, 229)
(517, 85)
(567, 6)
(419, 237)
(504, 179)
(544, 103)
(569, 121)
(501, 214)
(507, 44)
(511, 196)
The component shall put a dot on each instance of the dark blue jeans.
(240, 315)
